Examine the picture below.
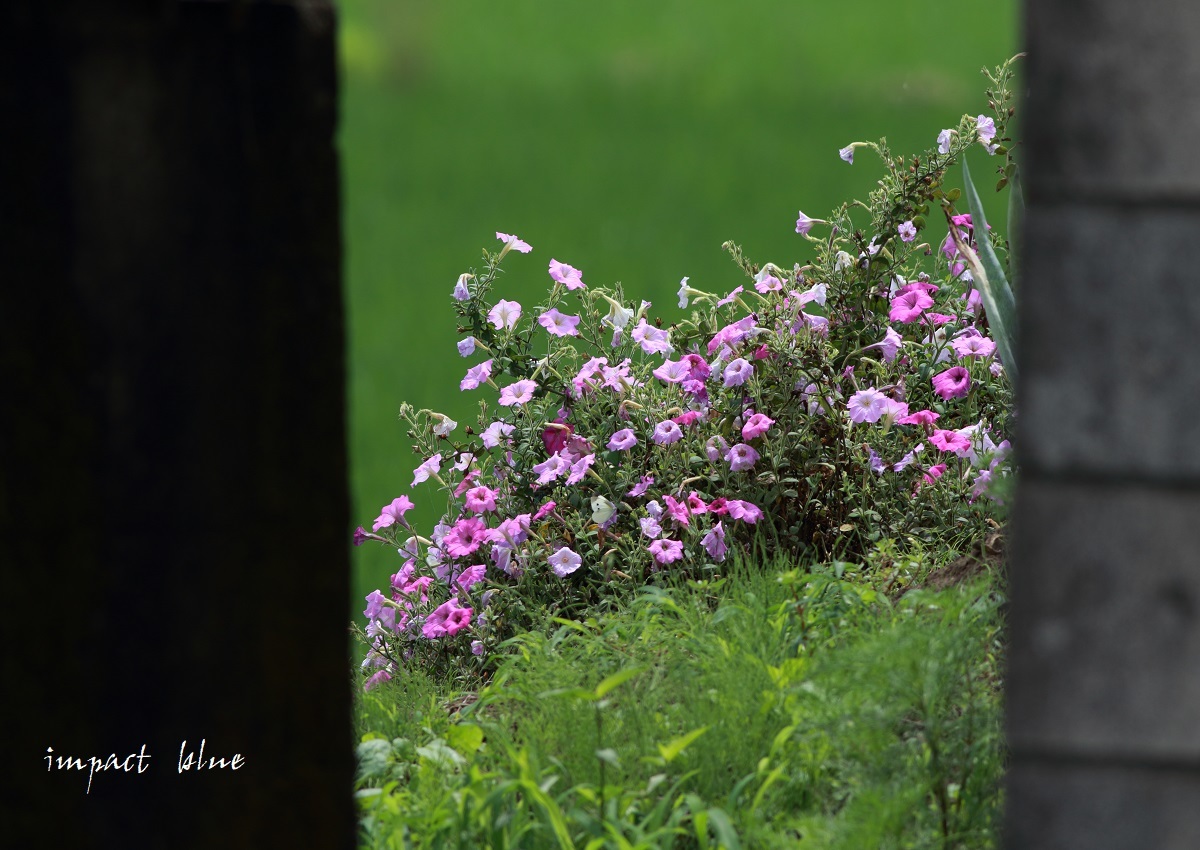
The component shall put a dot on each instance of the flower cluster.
(818, 406)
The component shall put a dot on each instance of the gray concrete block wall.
(1103, 688)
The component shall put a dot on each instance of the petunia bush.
(850, 396)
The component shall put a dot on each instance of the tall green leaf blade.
(998, 300)
(617, 679)
(1016, 215)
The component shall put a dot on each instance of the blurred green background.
(628, 139)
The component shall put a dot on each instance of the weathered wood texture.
(1104, 669)
(173, 497)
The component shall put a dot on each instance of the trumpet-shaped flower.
(652, 340)
(494, 433)
(737, 372)
(943, 141)
(672, 371)
(667, 432)
(714, 543)
(568, 276)
(564, 562)
(466, 347)
(476, 376)
(505, 314)
(952, 383)
(907, 231)
(622, 440)
(741, 457)
(665, 550)
(559, 324)
(393, 513)
(427, 469)
(480, 500)
(517, 393)
(514, 242)
(908, 306)
(447, 619)
(866, 405)
(756, 426)
(465, 536)
(973, 346)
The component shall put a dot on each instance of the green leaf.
(569, 693)
(609, 756)
(465, 738)
(672, 750)
(727, 836)
(617, 679)
(998, 300)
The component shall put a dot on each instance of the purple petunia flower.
(714, 543)
(427, 470)
(907, 231)
(518, 393)
(866, 405)
(568, 276)
(741, 457)
(756, 426)
(622, 440)
(665, 551)
(737, 372)
(564, 562)
(666, 433)
(504, 314)
(559, 324)
(476, 376)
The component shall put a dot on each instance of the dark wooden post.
(173, 499)
(1104, 679)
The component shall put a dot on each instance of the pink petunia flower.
(579, 468)
(920, 417)
(666, 433)
(393, 513)
(641, 487)
(559, 324)
(564, 562)
(504, 314)
(907, 307)
(513, 242)
(950, 441)
(756, 426)
(933, 473)
(677, 510)
(953, 383)
(672, 371)
(716, 447)
(728, 299)
(494, 433)
(741, 457)
(543, 510)
(652, 340)
(889, 346)
(714, 543)
(550, 469)
(465, 536)
(973, 346)
(517, 393)
(622, 440)
(471, 576)
(448, 619)
(665, 551)
(480, 500)
(866, 405)
(907, 231)
(696, 504)
(804, 223)
(568, 276)
(737, 372)
(476, 376)
(427, 470)
(745, 511)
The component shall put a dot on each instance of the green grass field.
(627, 139)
